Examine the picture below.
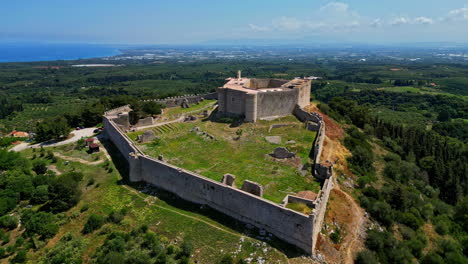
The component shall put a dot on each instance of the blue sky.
(191, 21)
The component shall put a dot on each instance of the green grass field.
(246, 157)
(211, 235)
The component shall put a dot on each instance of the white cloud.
(335, 7)
(338, 17)
(423, 20)
(287, 24)
(458, 14)
(258, 28)
(376, 23)
(400, 21)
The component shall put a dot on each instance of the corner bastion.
(245, 204)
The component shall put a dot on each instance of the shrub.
(186, 248)
(84, 208)
(20, 257)
(94, 223)
(115, 217)
(8, 222)
(90, 182)
(336, 236)
(227, 259)
(67, 250)
(41, 223)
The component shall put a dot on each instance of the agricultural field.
(213, 149)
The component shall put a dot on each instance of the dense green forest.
(417, 113)
(424, 183)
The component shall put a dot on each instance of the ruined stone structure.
(314, 122)
(256, 99)
(185, 99)
(245, 204)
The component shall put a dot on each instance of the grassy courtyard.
(242, 151)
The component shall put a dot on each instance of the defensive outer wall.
(291, 226)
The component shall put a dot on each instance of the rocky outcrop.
(282, 153)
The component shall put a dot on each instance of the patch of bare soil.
(333, 129)
(342, 210)
(78, 159)
(54, 169)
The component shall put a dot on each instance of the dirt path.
(54, 169)
(78, 159)
(344, 210)
(356, 229)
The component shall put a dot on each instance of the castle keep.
(256, 99)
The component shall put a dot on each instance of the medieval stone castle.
(252, 99)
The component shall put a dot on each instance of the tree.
(8, 222)
(8, 201)
(444, 116)
(40, 194)
(40, 167)
(152, 108)
(20, 257)
(432, 258)
(366, 257)
(64, 191)
(42, 223)
(52, 129)
(461, 213)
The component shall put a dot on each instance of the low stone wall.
(293, 227)
(118, 110)
(148, 121)
(305, 116)
(320, 209)
(296, 199)
(191, 99)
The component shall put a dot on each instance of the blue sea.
(21, 52)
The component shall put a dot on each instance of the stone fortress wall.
(245, 204)
(256, 99)
(120, 114)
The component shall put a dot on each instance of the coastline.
(25, 52)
